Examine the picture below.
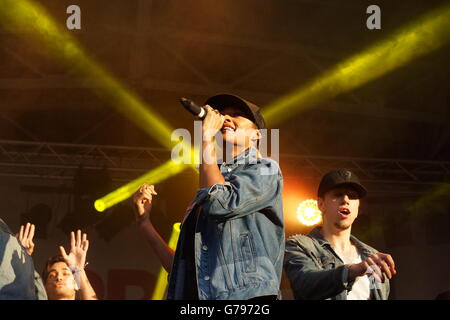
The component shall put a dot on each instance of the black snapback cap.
(338, 178)
(221, 101)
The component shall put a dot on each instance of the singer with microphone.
(231, 244)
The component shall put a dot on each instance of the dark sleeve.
(308, 280)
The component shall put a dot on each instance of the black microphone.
(193, 108)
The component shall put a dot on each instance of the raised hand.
(25, 237)
(78, 249)
(142, 200)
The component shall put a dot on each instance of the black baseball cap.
(222, 101)
(338, 178)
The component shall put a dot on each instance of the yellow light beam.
(154, 176)
(185, 157)
(424, 35)
(161, 283)
(17, 15)
(439, 194)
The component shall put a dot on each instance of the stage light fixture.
(308, 213)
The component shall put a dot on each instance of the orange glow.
(294, 191)
(308, 213)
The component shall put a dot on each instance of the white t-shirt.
(361, 287)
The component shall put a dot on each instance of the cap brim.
(359, 188)
(362, 192)
(222, 101)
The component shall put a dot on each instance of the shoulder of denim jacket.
(269, 161)
(268, 166)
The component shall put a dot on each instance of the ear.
(257, 135)
(358, 207)
(321, 204)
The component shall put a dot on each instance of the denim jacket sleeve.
(250, 189)
(309, 281)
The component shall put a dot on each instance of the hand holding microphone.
(212, 119)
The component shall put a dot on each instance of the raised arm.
(209, 171)
(142, 201)
(76, 260)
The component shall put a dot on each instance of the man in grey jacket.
(330, 263)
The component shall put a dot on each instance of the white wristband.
(76, 274)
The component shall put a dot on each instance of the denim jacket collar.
(316, 234)
(364, 250)
(250, 155)
(247, 156)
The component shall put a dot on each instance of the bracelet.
(77, 269)
(76, 274)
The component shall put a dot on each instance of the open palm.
(78, 249)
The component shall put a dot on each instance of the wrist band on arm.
(76, 274)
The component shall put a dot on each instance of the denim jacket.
(239, 234)
(18, 279)
(316, 272)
